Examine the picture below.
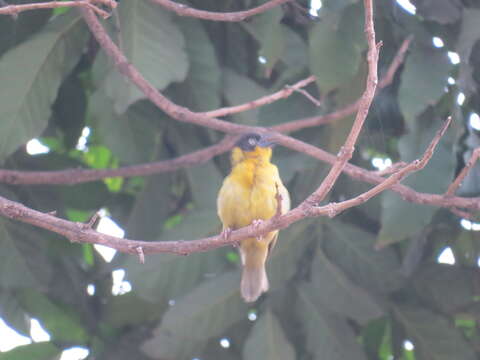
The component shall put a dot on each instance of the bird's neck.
(258, 156)
(251, 169)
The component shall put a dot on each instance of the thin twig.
(351, 108)
(265, 100)
(184, 10)
(73, 176)
(391, 169)
(15, 9)
(309, 97)
(452, 189)
(76, 176)
(462, 214)
(334, 209)
(346, 151)
(78, 232)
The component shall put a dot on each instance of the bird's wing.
(285, 205)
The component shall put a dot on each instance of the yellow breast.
(248, 193)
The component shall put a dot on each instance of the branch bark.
(83, 233)
(184, 10)
(14, 10)
(348, 148)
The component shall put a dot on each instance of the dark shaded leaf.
(205, 312)
(423, 81)
(469, 36)
(331, 288)
(201, 89)
(147, 26)
(69, 110)
(133, 137)
(37, 351)
(353, 250)
(15, 30)
(63, 324)
(146, 220)
(328, 336)
(335, 46)
(239, 89)
(433, 336)
(23, 260)
(401, 219)
(267, 340)
(268, 31)
(442, 11)
(286, 258)
(204, 193)
(12, 313)
(448, 288)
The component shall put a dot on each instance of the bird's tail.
(254, 277)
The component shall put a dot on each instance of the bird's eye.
(252, 142)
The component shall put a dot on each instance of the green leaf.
(423, 81)
(74, 197)
(205, 312)
(34, 71)
(12, 313)
(205, 181)
(336, 5)
(283, 262)
(327, 336)
(352, 249)
(268, 31)
(295, 106)
(433, 336)
(401, 219)
(152, 42)
(240, 89)
(267, 340)
(442, 11)
(128, 309)
(22, 257)
(15, 30)
(151, 209)
(134, 137)
(37, 351)
(63, 324)
(446, 287)
(469, 35)
(335, 47)
(201, 89)
(69, 110)
(152, 281)
(337, 293)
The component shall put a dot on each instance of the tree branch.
(76, 176)
(265, 100)
(90, 4)
(336, 208)
(348, 148)
(184, 10)
(351, 108)
(461, 176)
(83, 233)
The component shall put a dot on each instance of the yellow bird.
(248, 196)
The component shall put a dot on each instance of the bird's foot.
(225, 234)
(256, 223)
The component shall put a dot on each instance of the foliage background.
(333, 295)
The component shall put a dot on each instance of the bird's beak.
(266, 142)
